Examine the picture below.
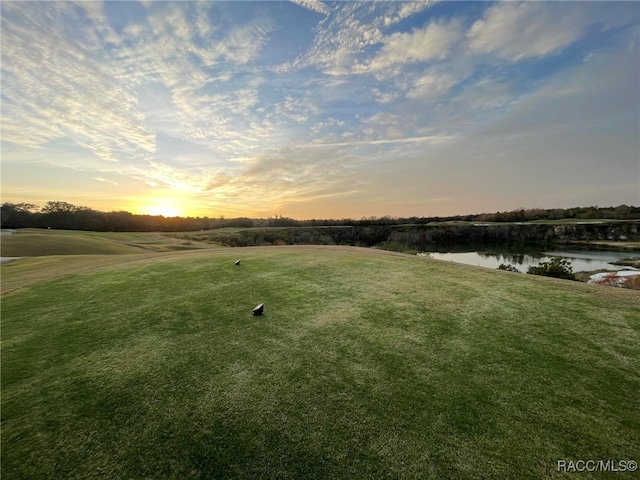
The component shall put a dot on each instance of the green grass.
(366, 364)
(27, 244)
(38, 242)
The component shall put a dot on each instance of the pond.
(9, 259)
(581, 261)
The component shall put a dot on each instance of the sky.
(312, 109)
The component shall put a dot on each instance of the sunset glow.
(168, 205)
(313, 109)
(164, 210)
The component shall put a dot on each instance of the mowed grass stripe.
(36, 244)
(30, 242)
(365, 365)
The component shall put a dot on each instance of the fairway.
(366, 364)
(27, 242)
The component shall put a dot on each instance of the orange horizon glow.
(399, 110)
(163, 206)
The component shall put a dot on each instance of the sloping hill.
(38, 242)
(366, 364)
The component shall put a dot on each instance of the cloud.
(384, 97)
(181, 54)
(202, 21)
(57, 88)
(430, 86)
(298, 110)
(387, 141)
(314, 5)
(207, 99)
(100, 179)
(576, 131)
(216, 180)
(241, 45)
(516, 31)
(348, 30)
(406, 10)
(330, 122)
(175, 178)
(487, 93)
(584, 98)
(299, 174)
(432, 42)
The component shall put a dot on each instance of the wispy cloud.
(56, 88)
(349, 29)
(386, 141)
(255, 107)
(432, 42)
(100, 179)
(314, 5)
(429, 86)
(519, 30)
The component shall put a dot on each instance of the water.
(9, 259)
(581, 261)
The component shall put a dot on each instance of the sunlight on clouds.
(58, 89)
(384, 141)
(242, 44)
(100, 179)
(345, 33)
(164, 54)
(384, 97)
(255, 107)
(431, 86)
(530, 29)
(298, 110)
(485, 94)
(163, 206)
(336, 45)
(407, 9)
(330, 122)
(431, 42)
(171, 177)
(315, 5)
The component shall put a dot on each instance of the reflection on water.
(580, 260)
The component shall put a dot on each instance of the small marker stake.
(259, 309)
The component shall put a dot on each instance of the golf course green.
(366, 364)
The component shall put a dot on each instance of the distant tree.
(240, 222)
(122, 221)
(58, 214)
(61, 215)
(557, 267)
(58, 207)
(280, 221)
(18, 215)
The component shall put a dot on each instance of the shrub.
(557, 267)
(508, 267)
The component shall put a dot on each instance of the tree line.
(423, 237)
(64, 215)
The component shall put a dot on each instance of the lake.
(581, 261)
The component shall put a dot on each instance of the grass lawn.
(28, 242)
(366, 364)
